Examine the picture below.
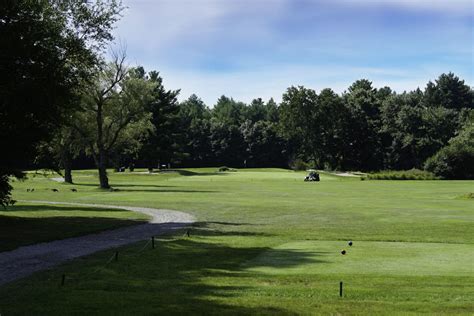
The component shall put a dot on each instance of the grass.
(268, 243)
(29, 223)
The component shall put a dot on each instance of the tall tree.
(229, 111)
(58, 153)
(364, 150)
(163, 141)
(264, 146)
(450, 92)
(272, 113)
(297, 111)
(195, 124)
(402, 130)
(49, 47)
(256, 111)
(115, 101)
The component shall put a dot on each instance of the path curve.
(26, 260)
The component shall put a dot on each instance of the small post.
(63, 280)
(116, 256)
(187, 233)
(153, 242)
(340, 289)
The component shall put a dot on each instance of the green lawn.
(266, 242)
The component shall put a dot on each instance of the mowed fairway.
(267, 242)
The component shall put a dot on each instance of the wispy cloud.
(257, 48)
(464, 7)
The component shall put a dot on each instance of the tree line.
(364, 129)
(67, 104)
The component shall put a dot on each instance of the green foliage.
(456, 160)
(264, 146)
(228, 111)
(225, 168)
(50, 48)
(413, 174)
(163, 141)
(5, 187)
(299, 164)
(114, 113)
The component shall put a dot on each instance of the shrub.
(456, 160)
(225, 168)
(413, 174)
(467, 196)
(298, 165)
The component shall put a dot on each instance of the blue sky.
(257, 48)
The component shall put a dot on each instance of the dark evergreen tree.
(162, 144)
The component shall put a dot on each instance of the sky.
(247, 49)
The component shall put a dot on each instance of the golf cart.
(312, 176)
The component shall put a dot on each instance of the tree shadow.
(20, 231)
(182, 275)
(209, 229)
(131, 188)
(165, 191)
(120, 185)
(188, 173)
(225, 223)
(58, 208)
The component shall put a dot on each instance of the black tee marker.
(350, 243)
(343, 252)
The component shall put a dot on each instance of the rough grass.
(413, 174)
(269, 243)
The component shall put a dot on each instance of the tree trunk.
(68, 174)
(101, 151)
(67, 164)
(102, 166)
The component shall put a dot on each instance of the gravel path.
(26, 260)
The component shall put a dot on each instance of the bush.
(468, 196)
(224, 168)
(456, 160)
(413, 174)
(299, 165)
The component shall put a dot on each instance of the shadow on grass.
(184, 276)
(20, 231)
(189, 173)
(211, 229)
(135, 188)
(120, 185)
(57, 208)
(165, 191)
